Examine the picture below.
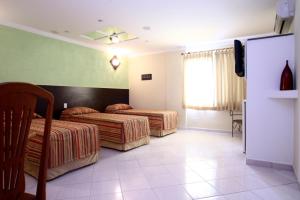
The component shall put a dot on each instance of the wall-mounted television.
(239, 55)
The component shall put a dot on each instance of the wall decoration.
(146, 77)
(286, 82)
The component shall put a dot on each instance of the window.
(200, 82)
(210, 82)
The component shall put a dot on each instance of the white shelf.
(283, 94)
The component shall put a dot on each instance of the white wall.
(165, 91)
(148, 94)
(270, 121)
(211, 120)
(297, 112)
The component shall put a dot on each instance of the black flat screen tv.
(239, 55)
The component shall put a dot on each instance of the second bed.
(162, 122)
(121, 132)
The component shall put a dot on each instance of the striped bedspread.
(69, 141)
(159, 119)
(119, 129)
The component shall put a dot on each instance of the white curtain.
(199, 81)
(210, 82)
(230, 88)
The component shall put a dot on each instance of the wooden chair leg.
(232, 129)
(231, 123)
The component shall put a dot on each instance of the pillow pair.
(78, 111)
(115, 107)
(85, 110)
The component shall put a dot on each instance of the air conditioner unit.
(285, 11)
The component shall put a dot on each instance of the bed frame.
(96, 98)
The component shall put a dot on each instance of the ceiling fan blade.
(107, 36)
(100, 38)
(120, 33)
(86, 37)
(103, 33)
(122, 41)
(129, 39)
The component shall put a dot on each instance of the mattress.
(72, 145)
(162, 122)
(116, 131)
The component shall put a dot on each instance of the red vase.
(286, 82)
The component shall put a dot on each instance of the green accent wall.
(28, 57)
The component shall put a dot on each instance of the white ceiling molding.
(205, 46)
(50, 35)
(223, 43)
(136, 54)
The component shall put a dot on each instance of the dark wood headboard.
(96, 98)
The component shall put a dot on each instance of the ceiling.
(173, 24)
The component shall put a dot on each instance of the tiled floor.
(183, 166)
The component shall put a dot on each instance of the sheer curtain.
(230, 88)
(199, 81)
(210, 82)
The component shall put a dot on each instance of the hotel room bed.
(121, 132)
(72, 146)
(162, 122)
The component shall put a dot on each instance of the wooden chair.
(17, 105)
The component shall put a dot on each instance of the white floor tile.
(252, 182)
(114, 196)
(187, 176)
(162, 180)
(273, 178)
(51, 190)
(155, 170)
(172, 193)
(128, 164)
(178, 168)
(228, 186)
(134, 182)
(140, 195)
(243, 196)
(146, 162)
(82, 175)
(74, 191)
(104, 175)
(285, 192)
(106, 187)
(215, 198)
(128, 173)
(30, 181)
(105, 163)
(217, 173)
(200, 190)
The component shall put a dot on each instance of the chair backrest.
(17, 105)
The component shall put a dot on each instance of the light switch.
(65, 105)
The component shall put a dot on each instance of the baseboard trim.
(206, 129)
(260, 163)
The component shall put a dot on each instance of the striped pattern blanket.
(69, 142)
(159, 119)
(119, 129)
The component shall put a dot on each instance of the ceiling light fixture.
(114, 38)
(115, 62)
